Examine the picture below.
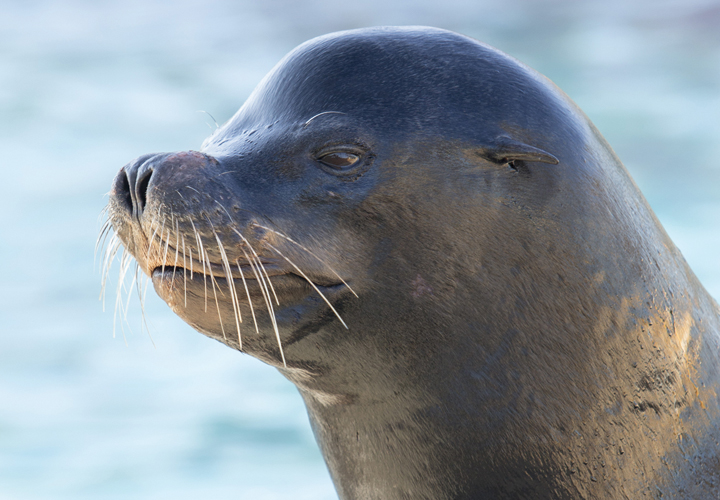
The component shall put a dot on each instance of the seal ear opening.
(505, 150)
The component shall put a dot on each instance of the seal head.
(435, 245)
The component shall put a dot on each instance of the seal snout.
(130, 186)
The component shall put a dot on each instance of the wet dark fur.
(523, 326)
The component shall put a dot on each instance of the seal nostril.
(125, 190)
(142, 190)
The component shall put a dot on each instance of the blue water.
(85, 86)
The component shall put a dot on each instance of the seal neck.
(548, 404)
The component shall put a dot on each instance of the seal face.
(434, 244)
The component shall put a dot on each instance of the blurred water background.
(86, 86)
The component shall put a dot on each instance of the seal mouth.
(238, 270)
(264, 291)
(250, 267)
(246, 273)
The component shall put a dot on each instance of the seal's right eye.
(339, 160)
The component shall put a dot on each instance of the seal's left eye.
(339, 160)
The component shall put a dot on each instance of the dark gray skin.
(523, 327)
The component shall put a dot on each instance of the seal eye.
(339, 160)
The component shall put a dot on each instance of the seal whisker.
(102, 236)
(152, 238)
(201, 251)
(141, 300)
(256, 256)
(311, 283)
(103, 264)
(263, 289)
(247, 292)
(215, 287)
(311, 253)
(113, 243)
(129, 293)
(148, 280)
(167, 245)
(233, 291)
(262, 267)
(184, 269)
(112, 250)
(228, 271)
(231, 286)
(268, 302)
(124, 265)
(191, 261)
(217, 126)
(162, 235)
(323, 113)
(177, 248)
(253, 251)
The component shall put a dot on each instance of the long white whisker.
(242, 275)
(117, 294)
(311, 283)
(112, 247)
(130, 290)
(152, 238)
(104, 266)
(268, 303)
(191, 261)
(177, 248)
(261, 267)
(124, 265)
(266, 275)
(162, 235)
(247, 292)
(231, 285)
(112, 250)
(184, 269)
(310, 252)
(141, 297)
(201, 250)
(260, 282)
(100, 242)
(217, 304)
(103, 229)
(167, 245)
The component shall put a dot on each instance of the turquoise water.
(87, 86)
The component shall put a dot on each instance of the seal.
(436, 246)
